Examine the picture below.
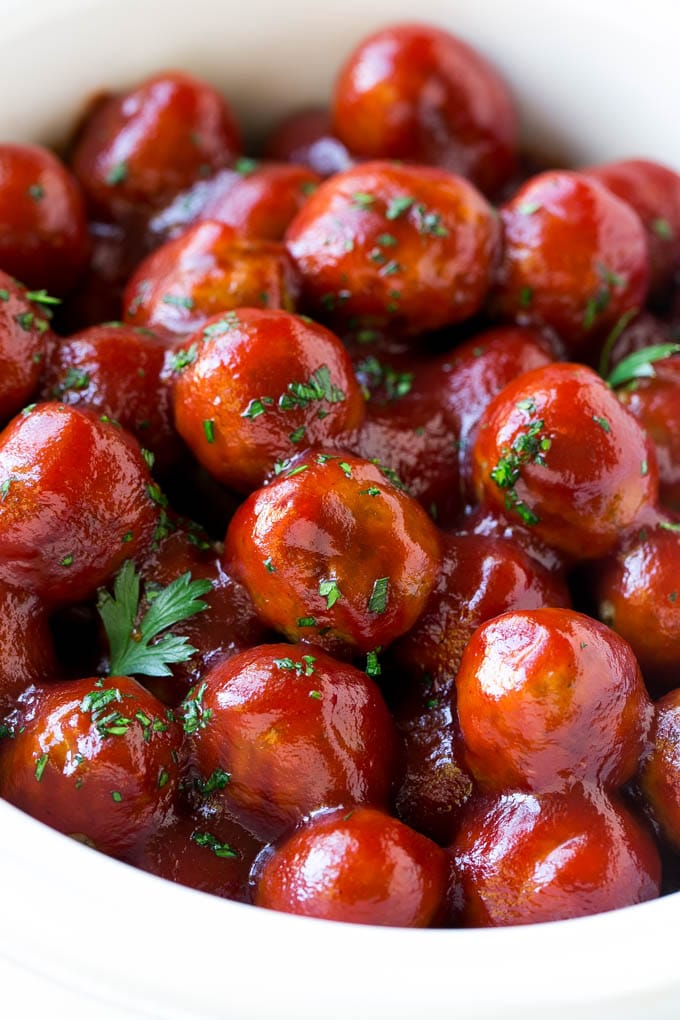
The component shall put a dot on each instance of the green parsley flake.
(178, 301)
(377, 603)
(528, 447)
(195, 715)
(117, 174)
(298, 434)
(210, 842)
(36, 192)
(398, 206)
(306, 621)
(529, 208)
(257, 407)
(40, 766)
(303, 668)
(662, 229)
(526, 296)
(317, 695)
(67, 561)
(330, 591)
(216, 781)
(373, 667)
(182, 359)
(209, 430)
(362, 199)
(603, 423)
(116, 796)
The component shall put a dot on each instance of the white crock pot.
(85, 936)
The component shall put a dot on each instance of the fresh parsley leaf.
(137, 648)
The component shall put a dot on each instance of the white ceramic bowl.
(82, 935)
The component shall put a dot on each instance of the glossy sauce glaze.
(338, 548)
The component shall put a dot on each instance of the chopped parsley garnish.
(245, 166)
(216, 781)
(529, 208)
(373, 667)
(136, 648)
(67, 560)
(302, 668)
(398, 206)
(211, 842)
(269, 566)
(257, 407)
(4, 489)
(209, 430)
(178, 301)
(528, 447)
(75, 379)
(362, 199)
(40, 766)
(195, 715)
(117, 174)
(318, 387)
(662, 229)
(669, 526)
(330, 591)
(371, 491)
(601, 300)
(306, 621)
(429, 223)
(377, 373)
(526, 296)
(390, 474)
(298, 434)
(317, 695)
(182, 359)
(107, 723)
(295, 471)
(41, 297)
(224, 325)
(377, 603)
(117, 796)
(602, 422)
(36, 192)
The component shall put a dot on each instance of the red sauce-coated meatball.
(557, 451)
(653, 191)
(296, 731)
(637, 591)
(547, 697)
(332, 552)
(418, 93)
(204, 272)
(362, 866)
(116, 370)
(659, 777)
(25, 337)
(524, 859)
(27, 648)
(307, 137)
(214, 856)
(98, 761)
(77, 500)
(655, 402)
(141, 148)
(43, 233)
(256, 386)
(412, 248)
(575, 259)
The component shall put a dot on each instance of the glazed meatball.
(333, 552)
(557, 451)
(404, 247)
(254, 387)
(420, 94)
(97, 762)
(360, 866)
(575, 258)
(548, 697)
(295, 731)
